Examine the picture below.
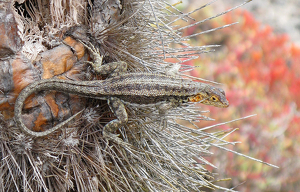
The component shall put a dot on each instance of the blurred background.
(258, 66)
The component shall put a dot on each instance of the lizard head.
(211, 96)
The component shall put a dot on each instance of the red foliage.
(262, 74)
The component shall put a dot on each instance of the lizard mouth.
(219, 104)
(224, 105)
(209, 101)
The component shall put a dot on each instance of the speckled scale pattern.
(140, 88)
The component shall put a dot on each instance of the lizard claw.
(91, 48)
(96, 56)
(113, 137)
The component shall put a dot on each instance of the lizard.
(120, 87)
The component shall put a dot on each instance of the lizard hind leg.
(112, 69)
(118, 108)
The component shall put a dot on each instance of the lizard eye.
(214, 98)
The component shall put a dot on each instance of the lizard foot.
(96, 56)
(113, 137)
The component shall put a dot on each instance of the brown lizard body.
(140, 88)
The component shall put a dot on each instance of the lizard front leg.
(118, 108)
(163, 108)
